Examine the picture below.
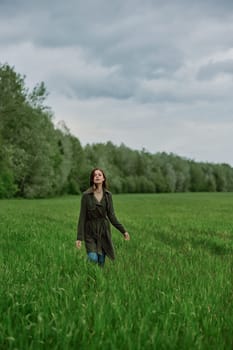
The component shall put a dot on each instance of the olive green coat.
(94, 223)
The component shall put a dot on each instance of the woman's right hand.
(78, 244)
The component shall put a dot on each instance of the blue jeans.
(96, 258)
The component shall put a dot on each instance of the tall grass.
(169, 288)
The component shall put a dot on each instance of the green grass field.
(169, 288)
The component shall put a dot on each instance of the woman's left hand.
(127, 236)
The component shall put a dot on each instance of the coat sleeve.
(82, 219)
(111, 215)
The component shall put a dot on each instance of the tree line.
(39, 159)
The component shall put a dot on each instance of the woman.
(93, 224)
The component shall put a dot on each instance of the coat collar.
(91, 191)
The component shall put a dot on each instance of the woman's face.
(98, 177)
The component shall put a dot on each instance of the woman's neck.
(99, 188)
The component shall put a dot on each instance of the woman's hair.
(92, 178)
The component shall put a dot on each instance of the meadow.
(170, 286)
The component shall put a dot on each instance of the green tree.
(220, 175)
(197, 177)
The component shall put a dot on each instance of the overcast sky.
(151, 74)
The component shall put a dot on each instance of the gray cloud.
(213, 69)
(162, 63)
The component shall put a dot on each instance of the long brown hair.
(92, 178)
